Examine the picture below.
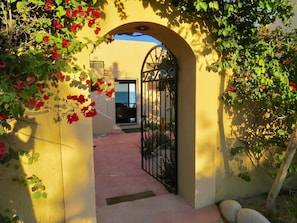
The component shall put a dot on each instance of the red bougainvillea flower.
(60, 76)
(89, 111)
(3, 150)
(74, 13)
(39, 85)
(32, 101)
(80, 99)
(74, 27)
(68, 13)
(80, 11)
(231, 89)
(55, 54)
(39, 104)
(97, 30)
(65, 43)
(101, 81)
(30, 79)
(19, 84)
(88, 11)
(57, 24)
(292, 85)
(96, 14)
(48, 5)
(2, 64)
(88, 82)
(261, 87)
(288, 62)
(72, 118)
(99, 90)
(2, 116)
(45, 97)
(91, 23)
(110, 93)
(45, 39)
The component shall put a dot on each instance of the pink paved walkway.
(118, 172)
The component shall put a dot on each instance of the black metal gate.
(158, 116)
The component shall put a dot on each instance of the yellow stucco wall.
(122, 61)
(36, 133)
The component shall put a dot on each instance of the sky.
(135, 37)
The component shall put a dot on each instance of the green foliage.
(292, 200)
(262, 89)
(9, 216)
(236, 150)
(35, 183)
(37, 41)
(245, 176)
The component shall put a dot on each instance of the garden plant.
(256, 42)
(38, 43)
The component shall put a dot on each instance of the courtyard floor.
(118, 172)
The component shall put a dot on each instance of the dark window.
(125, 100)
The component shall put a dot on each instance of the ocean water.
(123, 97)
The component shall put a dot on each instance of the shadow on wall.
(164, 9)
(14, 195)
(242, 169)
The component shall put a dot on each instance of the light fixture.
(142, 28)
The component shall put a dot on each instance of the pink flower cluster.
(73, 14)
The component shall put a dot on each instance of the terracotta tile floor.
(118, 172)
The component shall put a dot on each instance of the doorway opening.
(186, 89)
(118, 161)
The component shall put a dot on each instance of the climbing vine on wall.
(38, 41)
(262, 89)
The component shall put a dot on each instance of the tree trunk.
(281, 174)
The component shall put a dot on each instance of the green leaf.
(236, 150)
(30, 160)
(1, 129)
(44, 195)
(281, 132)
(200, 5)
(257, 149)
(36, 195)
(58, 2)
(60, 11)
(204, 6)
(38, 37)
(245, 176)
(36, 156)
(20, 6)
(214, 5)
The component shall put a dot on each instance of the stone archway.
(186, 98)
(197, 95)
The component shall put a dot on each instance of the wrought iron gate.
(158, 116)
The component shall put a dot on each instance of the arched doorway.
(186, 97)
